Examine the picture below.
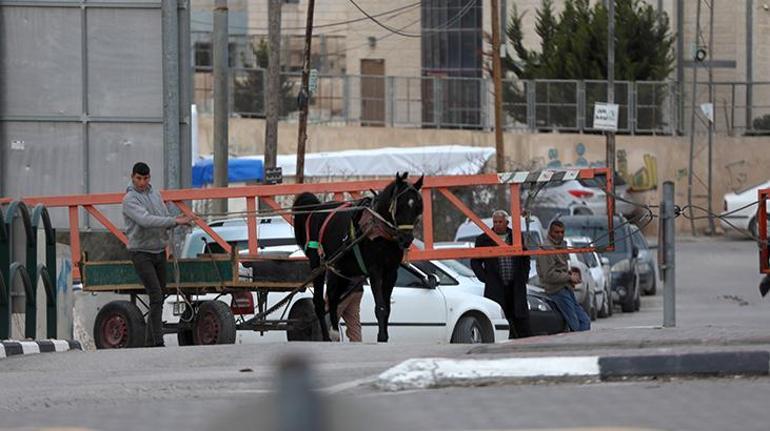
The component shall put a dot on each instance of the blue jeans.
(573, 313)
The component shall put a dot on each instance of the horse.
(362, 238)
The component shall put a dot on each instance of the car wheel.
(470, 330)
(653, 287)
(604, 310)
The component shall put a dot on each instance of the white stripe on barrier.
(60, 345)
(545, 175)
(2, 351)
(29, 347)
(570, 174)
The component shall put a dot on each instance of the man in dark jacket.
(505, 278)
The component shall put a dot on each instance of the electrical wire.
(376, 21)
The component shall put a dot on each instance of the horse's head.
(400, 203)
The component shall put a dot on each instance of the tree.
(574, 46)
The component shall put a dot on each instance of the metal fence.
(646, 107)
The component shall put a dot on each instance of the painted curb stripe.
(426, 373)
(717, 363)
(46, 346)
(29, 347)
(61, 345)
(11, 348)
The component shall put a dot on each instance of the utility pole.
(498, 85)
(170, 28)
(221, 114)
(667, 256)
(610, 146)
(712, 227)
(691, 165)
(680, 65)
(273, 82)
(304, 96)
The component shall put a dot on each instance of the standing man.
(349, 309)
(505, 278)
(147, 221)
(559, 280)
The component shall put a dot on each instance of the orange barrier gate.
(268, 193)
(764, 253)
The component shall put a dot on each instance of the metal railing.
(645, 107)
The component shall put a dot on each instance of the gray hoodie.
(146, 219)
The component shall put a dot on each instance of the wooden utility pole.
(273, 98)
(498, 83)
(304, 96)
(221, 106)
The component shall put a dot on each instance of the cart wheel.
(214, 324)
(119, 325)
(184, 333)
(307, 329)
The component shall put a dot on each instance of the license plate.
(179, 308)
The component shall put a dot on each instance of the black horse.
(367, 238)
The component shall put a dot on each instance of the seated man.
(559, 280)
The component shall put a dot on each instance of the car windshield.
(599, 235)
(459, 267)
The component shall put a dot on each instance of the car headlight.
(537, 304)
(622, 266)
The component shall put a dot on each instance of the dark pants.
(151, 269)
(518, 323)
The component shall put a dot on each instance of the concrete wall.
(645, 161)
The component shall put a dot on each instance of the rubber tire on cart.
(214, 324)
(470, 330)
(308, 328)
(119, 325)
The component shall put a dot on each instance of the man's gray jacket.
(146, 219)
(553, 269)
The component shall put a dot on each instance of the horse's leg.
(380, 309)
(335, 287)
(318, 293)
(386, 286)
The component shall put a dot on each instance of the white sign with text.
(606, 116)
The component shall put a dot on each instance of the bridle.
(392, 208)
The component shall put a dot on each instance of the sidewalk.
(603, 354)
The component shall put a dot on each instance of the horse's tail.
(303, 203)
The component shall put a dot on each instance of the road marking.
(348, 385)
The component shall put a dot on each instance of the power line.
(373, 19)
(401, 10)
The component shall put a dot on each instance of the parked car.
(545, 319)
(738, 211)
(633, 268)
(271, 232)
(599, 267)
(576, 197)
(530, 227)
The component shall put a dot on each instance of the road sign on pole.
(606, 116)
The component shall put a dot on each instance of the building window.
(452, 38)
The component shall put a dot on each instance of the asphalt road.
(231, 387)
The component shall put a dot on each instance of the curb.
(428, 373)
(13, 348)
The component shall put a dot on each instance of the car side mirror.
(605, 260)
(431, 281)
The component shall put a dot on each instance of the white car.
(599, 267)
(531, 227)
(425, 308)
(738, 211)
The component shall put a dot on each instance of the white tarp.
(433, 160)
